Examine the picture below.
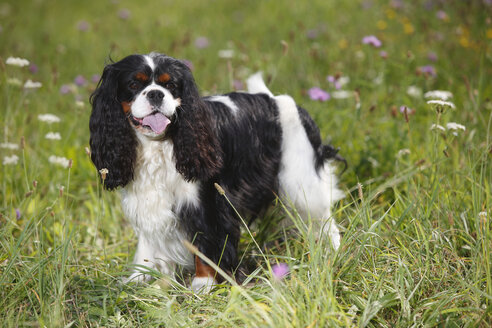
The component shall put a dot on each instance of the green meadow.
(417, 238)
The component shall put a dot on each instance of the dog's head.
(151, 96)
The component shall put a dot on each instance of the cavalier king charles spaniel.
(165, 147)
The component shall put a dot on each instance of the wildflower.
(33, 68)
(124, 14)
(437, 127)
(16, 61)
(312, 34)
(427, 70)
(454, 127)
(353, 310)
(103, 172)
(441, 14)
(80, 81)
(79, 103)
(49, 118)
(32, 85)
(403, 152)
(201, 42)
(414, 91)
(280, 270)
(53, 136)
(188, 63)
(8, 145)
(432, 56)
(14, 81)
(65, 89)
(383, 54)
(237, 84)
(441, 106)
(341, 94)
(83, 26)
(10, 160)
(438, 94)
(316, 93)
(61, 161)
(372, 40)
(17, 214)
(95, 78)
(226, 53)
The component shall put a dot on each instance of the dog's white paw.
(203, 285)
(330, 229)
(137, 277)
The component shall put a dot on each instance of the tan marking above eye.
(142, 77)
(163, 78)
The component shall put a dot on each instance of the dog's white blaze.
(226, 101)
(151, 202)
(150, 61)
(312, 193)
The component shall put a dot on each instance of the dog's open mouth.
(157, 122)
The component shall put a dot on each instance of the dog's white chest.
(153, 199)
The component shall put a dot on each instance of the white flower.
(49, 118)
(14, 81)
(403, 152)
(441, 103)
(79, 104)
(16, 61)
(32, 85)
(455, 126)
(9, 145)
(353, 310)
(226, 53)
(343, 80)
(53, 136)
(438, 94)
(437, 127)
(341, 94)
(414, 91)
(62, 161)
(10, 160)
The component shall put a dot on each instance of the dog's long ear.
(112, 139)
(197, 149)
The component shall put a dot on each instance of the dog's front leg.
(143, 261)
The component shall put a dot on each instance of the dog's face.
(151, 92)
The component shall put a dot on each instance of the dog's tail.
(256, 84)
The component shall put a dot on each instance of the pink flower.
(383, 54)
(124, 14)
(83, 26)
(316, 93)
(33, 68)
(201, 42)
(427, 70)
(65, 89)
(80, 81)
(95, 78)
(280, 270)
(372, 40)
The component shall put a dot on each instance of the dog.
(165, 148)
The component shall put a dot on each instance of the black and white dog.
(166, 147)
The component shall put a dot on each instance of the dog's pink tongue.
(157, 122)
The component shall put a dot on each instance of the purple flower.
(316, 93)
(65, 89)
(201, 42)
(372, 40)
(441, 14)
(383, 54)
(312, 34)
(124, 14)
(95, 78)
(189, 64)
(280, 270)
(83, 26)
(80, 81)
(432, 56)
(427, 70)
(331, 79)
(17, 214)
(238, 85)
(33, 68)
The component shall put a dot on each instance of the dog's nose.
(155, 97)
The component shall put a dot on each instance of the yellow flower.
(381, 24)
(489, 33)
(343, 44)
(408, 28)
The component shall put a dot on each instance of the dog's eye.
(133, 85)
(171, 86)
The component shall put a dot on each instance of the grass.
(417, 238)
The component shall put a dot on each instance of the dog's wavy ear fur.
(112, 139)
(197, 150)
